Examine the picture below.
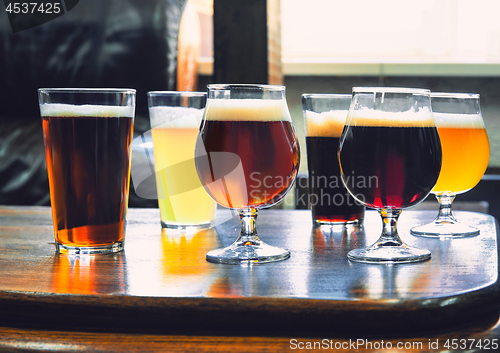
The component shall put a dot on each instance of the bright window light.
(391, 31)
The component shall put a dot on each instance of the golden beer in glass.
(175, 121)
(466, 153)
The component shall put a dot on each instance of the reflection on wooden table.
(162, 285)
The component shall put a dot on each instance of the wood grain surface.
(14, 340)
(161, 284)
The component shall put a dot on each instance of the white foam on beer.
(462, 121)
(369, 117)
(100, 111)
(247, 110)
(175, 117)
(325, 124)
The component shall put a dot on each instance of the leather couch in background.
(99, 43)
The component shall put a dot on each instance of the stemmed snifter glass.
(247, 158)
(390, 158)
(466, 152)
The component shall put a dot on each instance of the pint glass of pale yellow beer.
(175, 120)
(466, 153)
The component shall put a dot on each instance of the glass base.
(378, 254)
(445, 225)
(247, 251)
(89, 250)
(205, 225)
(445, 230)
(318, 223)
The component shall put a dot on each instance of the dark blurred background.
(313, 47)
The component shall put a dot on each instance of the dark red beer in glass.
(269, 167)
(247, 158)
(390, 141)
(400, 171)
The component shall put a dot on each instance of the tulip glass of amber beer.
(330, 202)
(247, 158)
(466, 152)
(88, 135)
(390, 158)
(175, 121)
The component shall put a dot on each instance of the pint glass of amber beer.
(330, 202)
(88, 135)
(175, 122)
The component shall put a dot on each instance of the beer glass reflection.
(182, 272)
(330, 202)
(466, 153)
(391, 153)
(88, 274)
(175, 121)
(88, 134)
(247, 159)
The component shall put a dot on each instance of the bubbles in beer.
(259, 136)
(326, 124)
(369, 117)
(57, 110)
(87, 151)
(466, 121)
(247, 110)
(175, 117)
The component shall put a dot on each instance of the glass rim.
(391, 90)
(177, 93)
(225, 86)
(87, 90)
(454, 95)
(326, 95)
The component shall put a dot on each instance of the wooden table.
(161, 295)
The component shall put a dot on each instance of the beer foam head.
(370, 117)
(326, 124)
(247, 110)
(463, 121)
(175, 117)
(69, 110)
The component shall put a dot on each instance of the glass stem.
(444, 214)
(390, 236)
(248, 235)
